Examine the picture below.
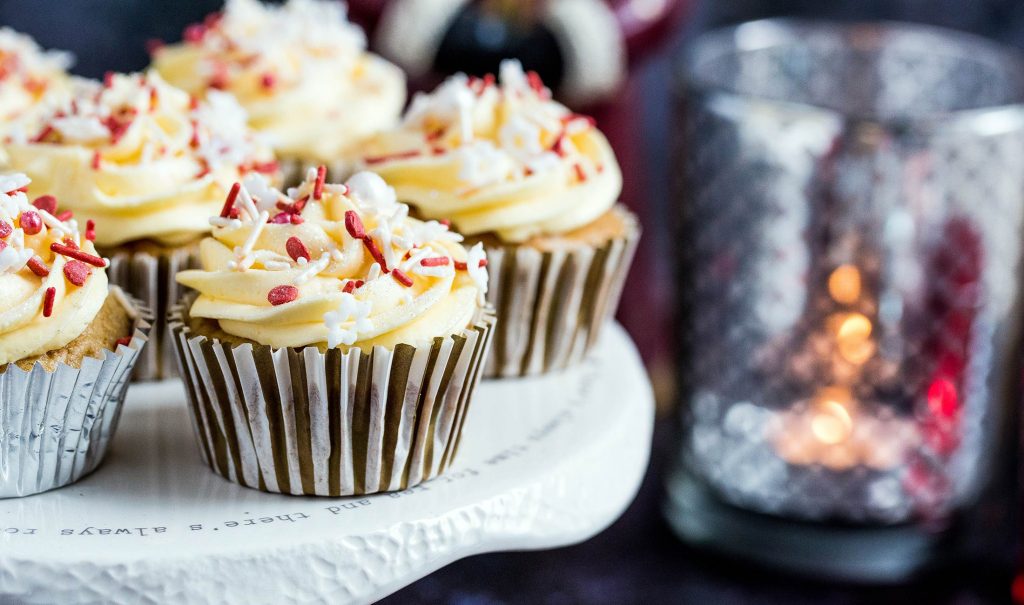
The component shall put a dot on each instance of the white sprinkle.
(345, 323)
(314, 268)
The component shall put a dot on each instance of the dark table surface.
(639, 560)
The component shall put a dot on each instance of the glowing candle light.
(844, 284)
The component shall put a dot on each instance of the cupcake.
(28, 76)
(143, 166)
(302, 72)
(68, 343)
(333, 343)
(535, 183)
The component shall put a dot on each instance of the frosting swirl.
(499, 157)
(301, 70)
(52, 281)
(27, 75)
(140, 156)
(334, 265)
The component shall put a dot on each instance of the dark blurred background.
(637, 560)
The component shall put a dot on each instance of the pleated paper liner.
(149, 275)
(298, 421)
(552, 305)
(56, 426)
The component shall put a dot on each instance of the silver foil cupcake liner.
(552, 305)
(151, 279)
(56, 426)
(299, 421)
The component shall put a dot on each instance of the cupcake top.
(301, 70)
(52, 280)
(140, 156)
(499, 157)
(334, 265)
(27, 74)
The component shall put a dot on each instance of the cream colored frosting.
(139, 157)
(498, 157)
(28, 74)
(394, 280)
(25, 328)
(301, 70)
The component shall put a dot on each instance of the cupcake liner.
(293, 170)
(55, 427)
(151, 279)
(552, 305)
(298, 421)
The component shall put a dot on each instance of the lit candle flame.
(844, 284)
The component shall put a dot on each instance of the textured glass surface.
(852, 212)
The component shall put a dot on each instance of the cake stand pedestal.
(544, 462)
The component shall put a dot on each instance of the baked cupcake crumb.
(111, 324)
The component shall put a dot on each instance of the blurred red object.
(479, 33)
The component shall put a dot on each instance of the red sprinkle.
(45, 132)
(154, 44)
(353, 225)
(193, 141)
(282, 294)
(558, 147)
(51, 293)
(461, 266)
(96, 159)
(65, 216)
(219, 79)
(47, 203)
(437, 261)
(108, 79)
(194, 33)
(229, 203)
(281, 218)
(318, 185)
(404, 155)
(375, 252)
(265, 167)
(296, 219)
(77, 272)
(296, 249)
(268, 80)
(154, 99)
(582, 176)
(90, 230)
(124, 340)
(69, 242)
(402, 278)
(535, 82)
(5, 229)
(30, 222)
(445, 222)
(349, 287)
(85, 257)
(38, 267)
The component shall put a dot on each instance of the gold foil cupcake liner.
(299, 421)
(552, 305)
(56, 426)
(151, 278)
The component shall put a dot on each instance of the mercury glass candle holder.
(852, 199)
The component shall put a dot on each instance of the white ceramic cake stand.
(544, 462)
